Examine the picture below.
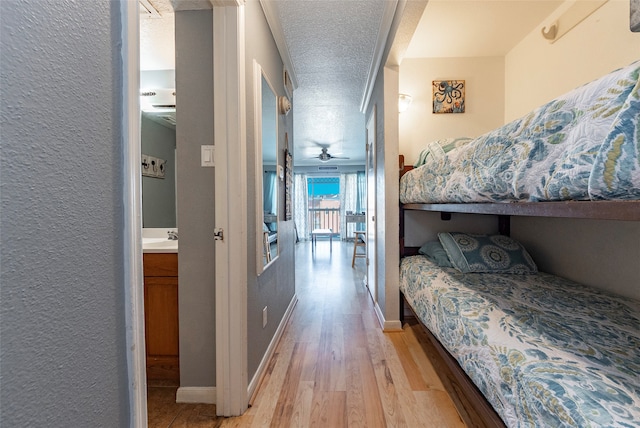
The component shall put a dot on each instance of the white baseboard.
(387, 325)
(196, 394)
(379, 315)
(253, 385)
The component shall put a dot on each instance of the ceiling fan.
(325, 156)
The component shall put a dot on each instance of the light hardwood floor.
(334, 367)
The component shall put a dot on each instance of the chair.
(359, 240)
(267, 247)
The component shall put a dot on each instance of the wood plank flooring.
(334, 367)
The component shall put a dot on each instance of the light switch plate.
(207, 156)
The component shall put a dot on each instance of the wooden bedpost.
(504, 225)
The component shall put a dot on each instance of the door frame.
(132, 205)
(370, 170)
(230, 129)
(231, 276)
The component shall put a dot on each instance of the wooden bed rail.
(403, 169)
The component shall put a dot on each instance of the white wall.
(537, 71)
(484, 99)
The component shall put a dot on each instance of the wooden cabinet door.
(161, 329)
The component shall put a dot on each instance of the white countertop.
(155, 240)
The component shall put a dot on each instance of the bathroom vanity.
(161, 314)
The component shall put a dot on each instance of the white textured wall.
(537, 71)
(62, 329)
(484, 101)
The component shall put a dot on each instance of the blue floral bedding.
(581, 146)
(545, 351)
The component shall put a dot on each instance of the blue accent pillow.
(434, 251)
(486, 253)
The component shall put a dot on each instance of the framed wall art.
(448, 96)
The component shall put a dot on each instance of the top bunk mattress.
(581, 146)
(544, 351)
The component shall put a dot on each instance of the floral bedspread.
(581, 146)
(545, 351)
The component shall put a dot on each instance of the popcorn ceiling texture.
(62, 319)
(331, 44)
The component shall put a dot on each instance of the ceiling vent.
(147, 10)
(327, 168)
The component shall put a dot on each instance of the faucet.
(173, 235)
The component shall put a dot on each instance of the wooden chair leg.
(355, 246)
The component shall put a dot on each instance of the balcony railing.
(324, 218)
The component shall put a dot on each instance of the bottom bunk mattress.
(544, 351)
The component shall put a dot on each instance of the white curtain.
(301, 205)
(348, 203)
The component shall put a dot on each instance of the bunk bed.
(525, 348)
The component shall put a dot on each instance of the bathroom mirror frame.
(266, 142)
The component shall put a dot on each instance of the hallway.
(334, 366)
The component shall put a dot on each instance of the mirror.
(158, 148)
(158, 144)
(267, 177)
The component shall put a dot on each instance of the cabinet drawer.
(160, 264)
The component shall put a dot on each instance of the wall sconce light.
(284, 104)
(404, 101)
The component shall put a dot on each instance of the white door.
(371, 206)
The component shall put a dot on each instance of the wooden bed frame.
(473, 407)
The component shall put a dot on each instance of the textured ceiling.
(332, 46)
(157, 43)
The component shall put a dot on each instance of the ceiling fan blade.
(318, 144)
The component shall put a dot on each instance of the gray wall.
(62, 317)
(603, 254)
(159, 194)
(196, 209)
(276, 286)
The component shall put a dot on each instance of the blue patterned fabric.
(481, 253)
(581, 146)
(545, 351)
(435, 252)
(438, 149)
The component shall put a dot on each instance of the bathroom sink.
(158, 245)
